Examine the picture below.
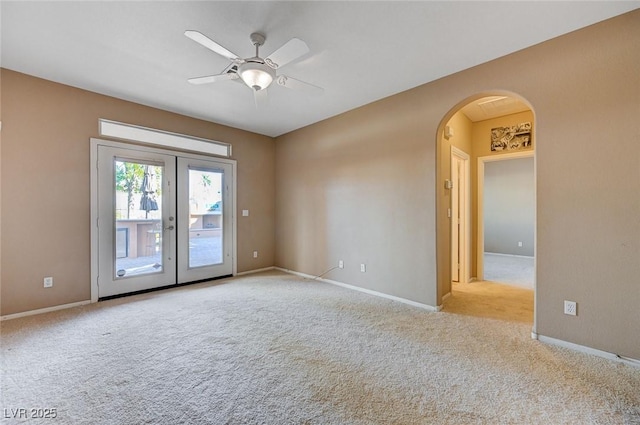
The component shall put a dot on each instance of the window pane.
(162, 138)
(205, 217)
(138, 218)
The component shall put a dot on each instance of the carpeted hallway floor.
(273, 348)
(491, 300)
(510, 269)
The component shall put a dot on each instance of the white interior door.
(460, 216)
(455, 219)
(162, 218)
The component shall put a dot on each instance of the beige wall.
(0, 191)
(462, 139)
(509, 207)
(474, 139)
(481, 135)
(45, 191)
(346, 190)
(362, 186)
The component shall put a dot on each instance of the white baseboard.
(44, 310)
(509, 255)
(366, 291)
(77, 304)
(587, 350)
(265, 269)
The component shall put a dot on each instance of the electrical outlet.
(255, 254)
(571, 308)
(48, 282)
(340, 264)
(363, 268)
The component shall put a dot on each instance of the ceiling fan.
(257, 73)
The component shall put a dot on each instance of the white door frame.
(464, 213)
(482, 160)
(94, 143)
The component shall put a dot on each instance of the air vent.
(492, 107)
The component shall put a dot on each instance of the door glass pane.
(138, 218)
(205, 217)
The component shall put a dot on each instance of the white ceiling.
(360, 51)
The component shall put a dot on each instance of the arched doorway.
(482, 129)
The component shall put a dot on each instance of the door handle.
(169, 227)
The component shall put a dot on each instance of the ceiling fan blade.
(292, 83)
(289, 51)
(261, 98)
(205, 41)
(213, 78)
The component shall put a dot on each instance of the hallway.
(509, 269)
(491, 300)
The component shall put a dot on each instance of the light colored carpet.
(510, 269)
(491, 300)
(272, 348)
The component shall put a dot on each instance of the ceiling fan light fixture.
(256, 75)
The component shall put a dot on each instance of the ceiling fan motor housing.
(257, 39)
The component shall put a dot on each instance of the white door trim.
(481, 162)
(93, 155)
(465, 213)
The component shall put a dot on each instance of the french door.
(162, 218)
(204, 219)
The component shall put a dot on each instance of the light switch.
(245, 213)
